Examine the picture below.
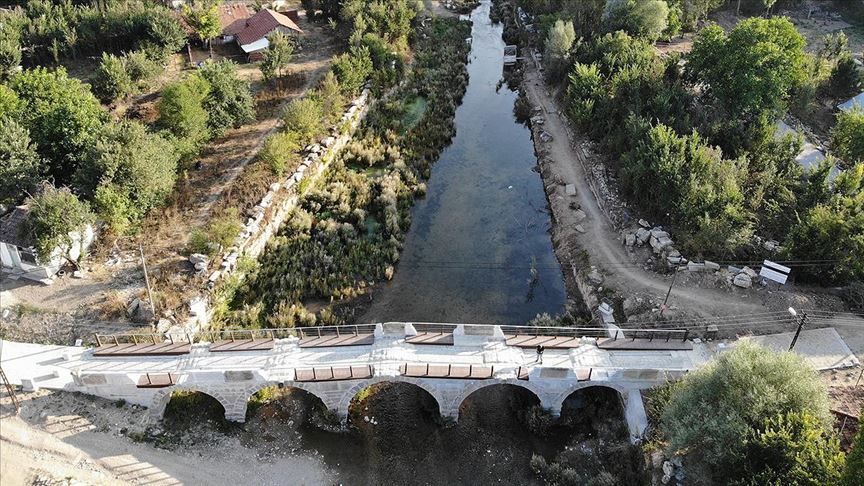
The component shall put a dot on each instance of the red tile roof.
(262, 24)
(230, 14)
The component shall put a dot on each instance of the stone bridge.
(473, 357)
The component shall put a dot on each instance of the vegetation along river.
(479, 249)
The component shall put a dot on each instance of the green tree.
(674, 23)
(304, 118)
(640, 18)
(10, 48)
(790, 448)
(848, 136)
(229, 102)
(138, 169)
(279, 149)
(54, 216)
(855, 460)
(112, 80)
(714, 410)
(845, 76)
(62, 116)
(329, 96)
(277, 56)
(140, 67)
(203, 17)
(352, 69)
(181, 111)
(20, 166)
(560, 40)
(751, 71)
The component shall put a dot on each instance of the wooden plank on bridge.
(433, 338)
(149, 349)
(228, 345)
(334, 340)
(658, 344)
(461, 372)
(157, 380)
(549, 342)
(334, 373)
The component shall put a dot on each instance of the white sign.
(775, 271)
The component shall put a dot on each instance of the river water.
(479, 249)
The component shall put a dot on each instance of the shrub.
(303, 118)
(181, 110)
(855, 460)
(229, 102)
(112, 81)
(224, 229)
(141, 68)
(741, 389)
(278, 150)
(352, 69)
(845, 77)
(848, 136)
(54, 216)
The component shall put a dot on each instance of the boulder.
(750, 272)
(144, 314)
(197, 258)
(712, 266)
(630, 240)
(642, 236)
(595, 277)
(644, 224)
(579, 228)
(743, 281)
(570, 189)
(132, 308)
(579, 215)
(771, 245)
(660, 243)
(695, 267)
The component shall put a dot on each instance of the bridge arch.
(558, 401)
(161, 399)
(309, 388)
(455, 406)
(430, 388)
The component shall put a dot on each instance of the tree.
(845, 76)
(140, 67)
(640, 18)
(10, 50)
(131, 169)
(55, 215)
(558, 44)
(277, 56)
(278, 150)
(303, 117)
(714, 410)
(855, 460)
(181, 111)
(674, 23)
(62, 116)
(329, 96)
(790, 448)
(751, 71)
(352, 69)
(848, 136)
(229, 102)
(20, 165)
(203, 17)
(112, 80)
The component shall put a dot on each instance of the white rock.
(743, 281)
(712, 266)
(644, 224)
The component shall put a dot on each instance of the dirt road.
(564, 163)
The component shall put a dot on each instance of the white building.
(18, 257)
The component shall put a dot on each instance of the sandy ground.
(60, 436)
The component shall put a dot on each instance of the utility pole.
(147, 281)
(801, 321)
(674, 276)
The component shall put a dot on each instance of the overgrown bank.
(348, 229)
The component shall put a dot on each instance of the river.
(479, 249)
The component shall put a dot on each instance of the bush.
(54, 216)
(845, 77)
(141, 68)
(848, 136)
(278, 150)
(855, 460)
(112, 81)
(715, 409)
(352, 69)
(229, 102)
(790, 448)
(303, 117)
(181, 112)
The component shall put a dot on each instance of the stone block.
(233, 376)
(743, 280)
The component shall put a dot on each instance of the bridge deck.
(334, 340)
(333, 373)
(550, 342)
(435, 338)
(228, 345)
(644, 344)
(130, 349)
(469, 372)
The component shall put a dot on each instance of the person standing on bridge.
(540, 350)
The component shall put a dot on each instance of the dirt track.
(563, 164)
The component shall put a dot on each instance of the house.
(18, 257)
(852, 103)
(232, 18)
(251, 34)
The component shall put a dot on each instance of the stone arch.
(162, 397)
(623, 393)
(476, 385)
(431, 389)
(628, 402)
(243, 401)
